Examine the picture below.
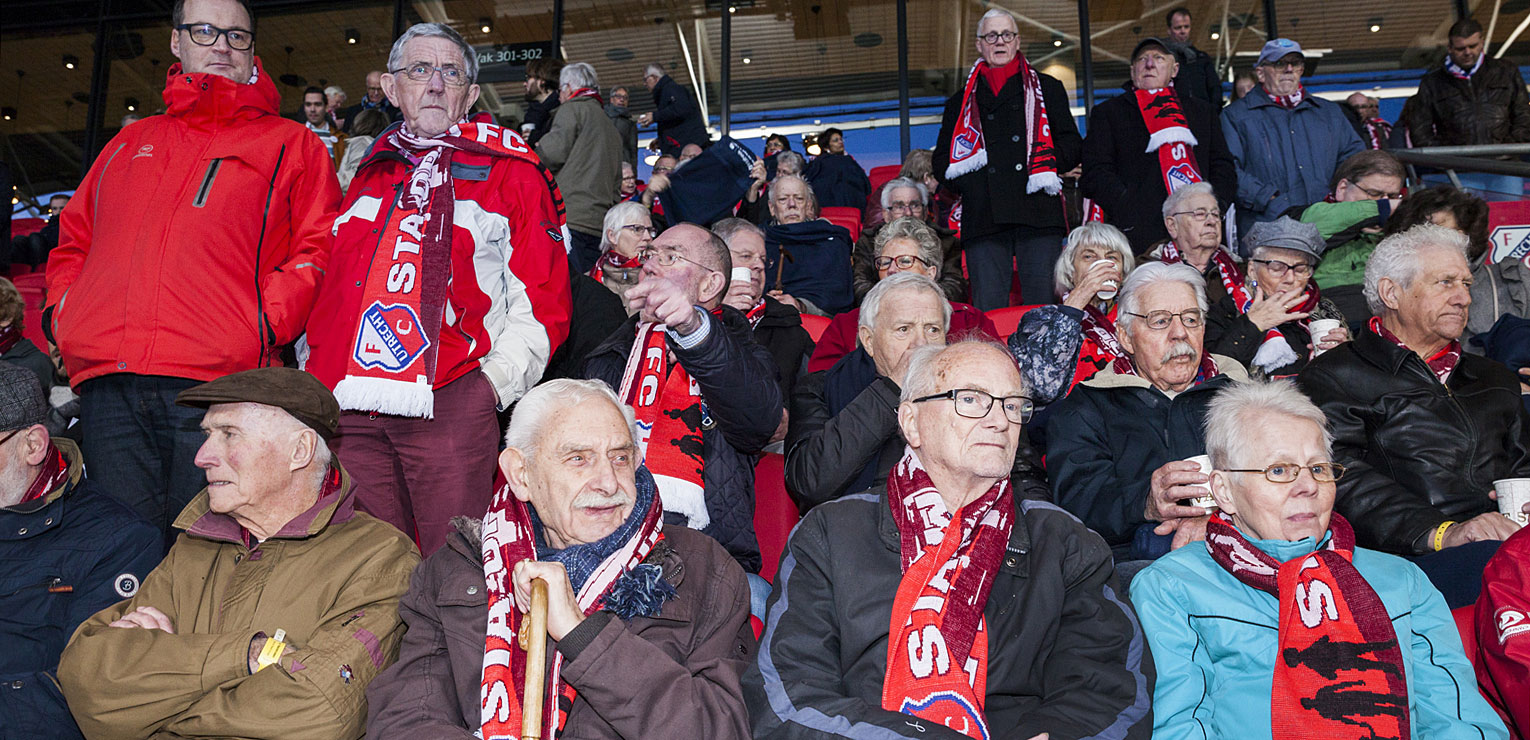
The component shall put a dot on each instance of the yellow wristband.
(1439, 534)
(271, 652)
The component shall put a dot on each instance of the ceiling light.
(485, 25)
(732, 9)
(650, 159)
(70, 61)
(1215, 35)
(8, 113)
(747, 60)
(131, 103)
(352, 36)
(1057, 42)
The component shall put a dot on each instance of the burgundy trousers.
(417, 474)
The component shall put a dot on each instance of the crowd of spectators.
(324, 425)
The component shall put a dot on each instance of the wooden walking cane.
(533, 639)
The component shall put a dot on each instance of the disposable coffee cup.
(1513, 494)
(1206, 502)
(1110, 285)
(1320, 329)
(742, 275)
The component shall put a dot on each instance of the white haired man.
(675, 112)
(1005, 141)
(1117, 446)
(584, 151)
(444, 301)
(815, 275)
(648, 622)
(277, 605)
(777, 326)
(1193, 219)
(1423, 428)
(1373, 653)
(904, 197)
(905, 611)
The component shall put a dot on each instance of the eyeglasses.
(1278, 268)
(975, 404)
(642, 230)
(1287, 472)
(994, 37)
(905, 207)
(1285, 65)
(206, 34)
(904, 262)
(1191, 318)
(422, 72)
(1200, 215)
(667, 258)
(1379, 194)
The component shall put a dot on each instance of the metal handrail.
(1478, 150)
(1419, 157)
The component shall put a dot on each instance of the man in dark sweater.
(1197, 76)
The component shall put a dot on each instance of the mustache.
(1179, 348)
(600, 500)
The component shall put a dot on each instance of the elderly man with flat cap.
(276, 606)
(67, 550)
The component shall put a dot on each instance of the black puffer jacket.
(994, 197)
(1065, 652)
(1490, 108)
(1416, 453)
(743, 400)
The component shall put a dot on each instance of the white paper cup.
(1513, 494)
(1110, 285)
(1205, 502)
(1320, 329)
(742, 275)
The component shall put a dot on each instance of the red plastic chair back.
(33, 289)
(1466, 624)
(1007, 320)
(879, 176)
(850, 218)
(815, 325)
(775, 513)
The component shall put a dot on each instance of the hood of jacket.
(207, 100)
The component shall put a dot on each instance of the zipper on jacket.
(207, 181)
(53, 584)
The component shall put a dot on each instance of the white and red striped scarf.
(1289, 101)
(949, 563)
(509, 538)
(968, 151)
(1442, 363)
(667, 403)
(1169, 135)
(1274, 352)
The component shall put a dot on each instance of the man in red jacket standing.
(447, 293)
(192, 250)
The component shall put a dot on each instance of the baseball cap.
(1151, 41)
(21, 398)
(1285, 233)
(294, 391)
(1278, 49)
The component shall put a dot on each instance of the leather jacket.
(1489, 108)
(1416, 452)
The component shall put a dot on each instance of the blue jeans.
(1033, 255)
(141, 446)
(584, 249)
(1457, 571)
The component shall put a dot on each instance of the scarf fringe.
(1275, 353)
(686, 499)
(1048, 181)
(386, 396)
(1173, 135)
(977, 161)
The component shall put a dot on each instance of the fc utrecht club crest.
(1179, 177)
(390, 337)
(962, 145)
(1511, 242)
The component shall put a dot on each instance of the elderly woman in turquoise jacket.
(1280, 627)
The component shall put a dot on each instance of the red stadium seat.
(880, 175)
(33, 289)
(815, 325)
(775, 513)
(1006, 320)
(1466, 624)
(850, 218)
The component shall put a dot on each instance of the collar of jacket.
(469, 544)
(1389, 357)
(1019, 537)
(207, 100)
(34, 517)
(1109, 378)
(199, 520)
(778, 314)
(1258, 98)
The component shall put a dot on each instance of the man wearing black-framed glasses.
(218, 196)
(1120, 446)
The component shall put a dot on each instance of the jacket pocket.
(207, 183)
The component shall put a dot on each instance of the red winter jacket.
(1503, 633)
(508, 305)
(192, 229)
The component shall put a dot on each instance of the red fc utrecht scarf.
(588, 92)
(1442, 364)
(392, 365)
(1103, 348)
(968, 152)
(54, 470)
(1275, 352)
(614, 260)
(667, 403)
(1338, 670)
(508, 539)
(1289, 101)
(1169, 134)
(937, 648)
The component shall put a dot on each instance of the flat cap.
(1277, 49)
(289, 389)
(1285, 233)
(21, 398)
